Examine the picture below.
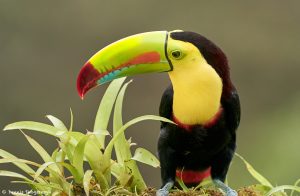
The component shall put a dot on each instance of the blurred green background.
(43, 45)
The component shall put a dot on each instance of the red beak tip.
(86, 79)
(80, 91)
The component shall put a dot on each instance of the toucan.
(201, 100)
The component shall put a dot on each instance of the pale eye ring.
(177, 54)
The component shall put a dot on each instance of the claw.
(232, 193)
(228, 191)
(164, 191)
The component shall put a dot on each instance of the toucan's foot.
(232, 193)
(228, 191)
(164, 191)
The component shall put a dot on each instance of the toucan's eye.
(176, 54)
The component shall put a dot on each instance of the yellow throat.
(197, 89)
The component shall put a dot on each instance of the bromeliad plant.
(76, 148)
(264, 186)
(63, 171)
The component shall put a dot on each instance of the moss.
(249, 191)
(244, 191)
(200, 192)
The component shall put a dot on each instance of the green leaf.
(17, 160)
(41, 169)
(254, 173)
(21, 163)
(130, 173)
(72, 170)
(122, 147)
(41, 186)
(34, 126)
(144, 156)
(42, 152)
(296, 184)
(44, 166)
(105, 108)
(125, 179)
(22, 166)
(56, 177)
(260, 188)
(120, 172)
(59, 156)
(12, 174)
(57, 123)
(75, 137)
(182, 185)
(54, 154)
(138, 180)
(130, 123)
(204, 183)
(103, 132)
(54, 170)
(116, 168)
(93, 153)
(97, 161)
(282, 188)
(78, 156)
(71, 120)
(86, 181)
(67, 149)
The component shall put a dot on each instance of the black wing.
(165, 108)
(232, 112)
(232, 109)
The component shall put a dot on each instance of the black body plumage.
(200, 147)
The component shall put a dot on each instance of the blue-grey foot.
(164, 191)
(228, 191)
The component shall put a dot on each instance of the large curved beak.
(137, 54)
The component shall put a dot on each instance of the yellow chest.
(197, 95)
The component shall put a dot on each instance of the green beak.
(137, 54)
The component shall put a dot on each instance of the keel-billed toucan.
(201, 100)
